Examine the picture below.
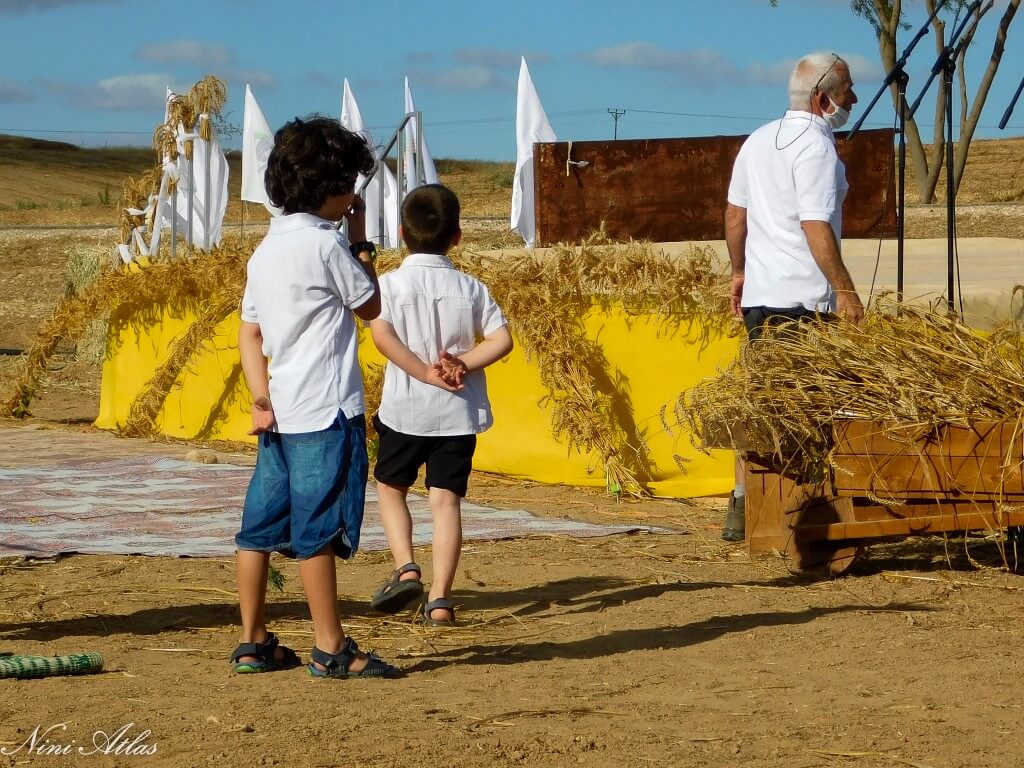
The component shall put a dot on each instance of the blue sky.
(93, 72)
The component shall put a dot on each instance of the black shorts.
(449, 460)
(756, 319)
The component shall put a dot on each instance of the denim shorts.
(308, 491)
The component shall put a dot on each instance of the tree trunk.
(927, 190)
(888, 26)
(964, 146)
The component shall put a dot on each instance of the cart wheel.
(831, 558)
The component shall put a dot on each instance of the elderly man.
(783, 222)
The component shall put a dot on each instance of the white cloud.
(862, 68)
(185, 52)
(493, 57)
(470, 78)
(703, 66)
(122, 94)
(14, 93)
(709, 67)
(257, 78)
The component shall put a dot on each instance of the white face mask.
(838, 116)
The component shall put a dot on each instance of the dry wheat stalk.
(913, 368)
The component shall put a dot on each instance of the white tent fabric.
(532, 126)
(257, 141)
(192, 184)
(152, 214)
(383, 184)
(209, 200)
(209, 163)
(162, 212)
(429, 171)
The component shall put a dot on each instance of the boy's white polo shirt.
(302, 283)
(788, 171)
(433, 306)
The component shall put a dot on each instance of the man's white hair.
(815, 72)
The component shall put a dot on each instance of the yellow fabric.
(650, 361)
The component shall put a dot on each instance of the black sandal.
(337, 664)
(395, 594)
(441, 603)
(266, 660)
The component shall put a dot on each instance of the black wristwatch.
(365, 246)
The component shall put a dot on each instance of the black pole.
(947, 53)
(946, 63)
(1011, 105)
(896, 73)
(901, 179)
(947, 76)
(899, 76)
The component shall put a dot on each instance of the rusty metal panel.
(674, 189)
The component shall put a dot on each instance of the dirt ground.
(671, 649)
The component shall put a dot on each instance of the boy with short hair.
(438, 328)
(298, 348)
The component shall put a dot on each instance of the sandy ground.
(673, 649)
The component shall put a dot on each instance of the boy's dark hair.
(430, 219)
(313, 158)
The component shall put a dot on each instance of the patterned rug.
(159, 506)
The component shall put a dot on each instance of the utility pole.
(616, 114)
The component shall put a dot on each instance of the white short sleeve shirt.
(432, 307)
(787, 172)
(302, 284)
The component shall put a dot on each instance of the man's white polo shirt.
(788, 171)
(301, 287)
(433, 307)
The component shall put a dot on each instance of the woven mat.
(160, 506)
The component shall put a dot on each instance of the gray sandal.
(395, 594)
(337, 664)
(440, 603)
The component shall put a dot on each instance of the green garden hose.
(48, 666)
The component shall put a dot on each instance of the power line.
(50, 130)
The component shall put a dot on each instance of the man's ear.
(820, 101)
(457, 237)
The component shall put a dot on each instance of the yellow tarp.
(649, 363)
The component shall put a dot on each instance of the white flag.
(382, 186)
(257, 141)
(532, 126)
(429, 171)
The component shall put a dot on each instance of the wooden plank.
(860, 512)
(771, 500)
(911, 526)
(944, 477)
(882, 439)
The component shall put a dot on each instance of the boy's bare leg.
(251, 577)
(446, 509)
(397, 522)
(320, 583)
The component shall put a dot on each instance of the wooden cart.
(887, 482)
